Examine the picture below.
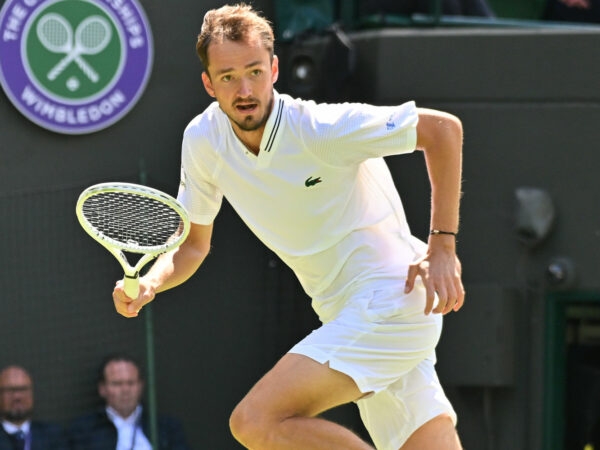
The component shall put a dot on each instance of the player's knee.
(248, 427)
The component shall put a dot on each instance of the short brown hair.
(235, 23)
(117, 357)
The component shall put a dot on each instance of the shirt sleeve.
(349, 133)
(200, 197)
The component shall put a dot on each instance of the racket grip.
(131, 286)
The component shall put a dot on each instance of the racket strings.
(94, 35)
(54, 34)
(134, 221)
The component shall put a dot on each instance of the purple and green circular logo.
(74, 66)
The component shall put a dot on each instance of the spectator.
(123, 423)
(19, 430)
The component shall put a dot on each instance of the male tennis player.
(309, 180)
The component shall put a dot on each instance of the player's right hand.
(131, 307)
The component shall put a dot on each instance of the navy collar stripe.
(275, 127)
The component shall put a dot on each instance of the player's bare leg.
(280, 410)
(437, 434)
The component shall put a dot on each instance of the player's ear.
(275, 69)
(207, 84)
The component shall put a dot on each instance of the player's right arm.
(170, 270)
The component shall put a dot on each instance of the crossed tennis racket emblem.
(91, 36)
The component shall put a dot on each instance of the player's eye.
(226, 78)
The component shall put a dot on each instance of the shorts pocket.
(393, 303)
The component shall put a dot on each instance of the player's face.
(16, 395)
(241, 77)
(122, 387)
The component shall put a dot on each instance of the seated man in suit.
(19, 431)
(123, 422)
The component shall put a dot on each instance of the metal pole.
(150, 357)
(152, 402)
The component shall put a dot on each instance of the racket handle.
(131, 286)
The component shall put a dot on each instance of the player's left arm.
(440, 137)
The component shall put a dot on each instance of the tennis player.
(310, 181)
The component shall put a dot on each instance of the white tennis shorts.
(386, 344)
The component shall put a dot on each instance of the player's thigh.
(437, 434)
(299, 386)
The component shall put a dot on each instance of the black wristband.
(433, 231)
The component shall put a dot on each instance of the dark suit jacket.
(96, 432)
(44, 436)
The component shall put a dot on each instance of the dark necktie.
(18, 439)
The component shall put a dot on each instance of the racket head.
(93, 35)
(55, 33)
(132, 218)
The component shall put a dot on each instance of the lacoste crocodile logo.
(310, 181)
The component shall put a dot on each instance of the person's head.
(235, 46)
(121, 383)
(236, 23)
(16, 395)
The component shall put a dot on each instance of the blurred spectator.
(19, 431)
(449, 7)
(123, 422)
(573, 11)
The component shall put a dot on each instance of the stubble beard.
(250, 124)
(18, 415)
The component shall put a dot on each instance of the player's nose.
(244, 88)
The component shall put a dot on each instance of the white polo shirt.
(319, 193)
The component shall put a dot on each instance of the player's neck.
(253, 147)
(250, 139)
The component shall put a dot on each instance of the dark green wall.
(529, 102)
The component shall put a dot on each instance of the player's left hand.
(440, 270)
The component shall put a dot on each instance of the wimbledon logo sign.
(74, 66)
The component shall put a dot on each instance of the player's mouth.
(246, 108)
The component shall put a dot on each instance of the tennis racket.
(126, 217)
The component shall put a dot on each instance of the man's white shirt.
(131, 435)
(318, 194)
(25, 427)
